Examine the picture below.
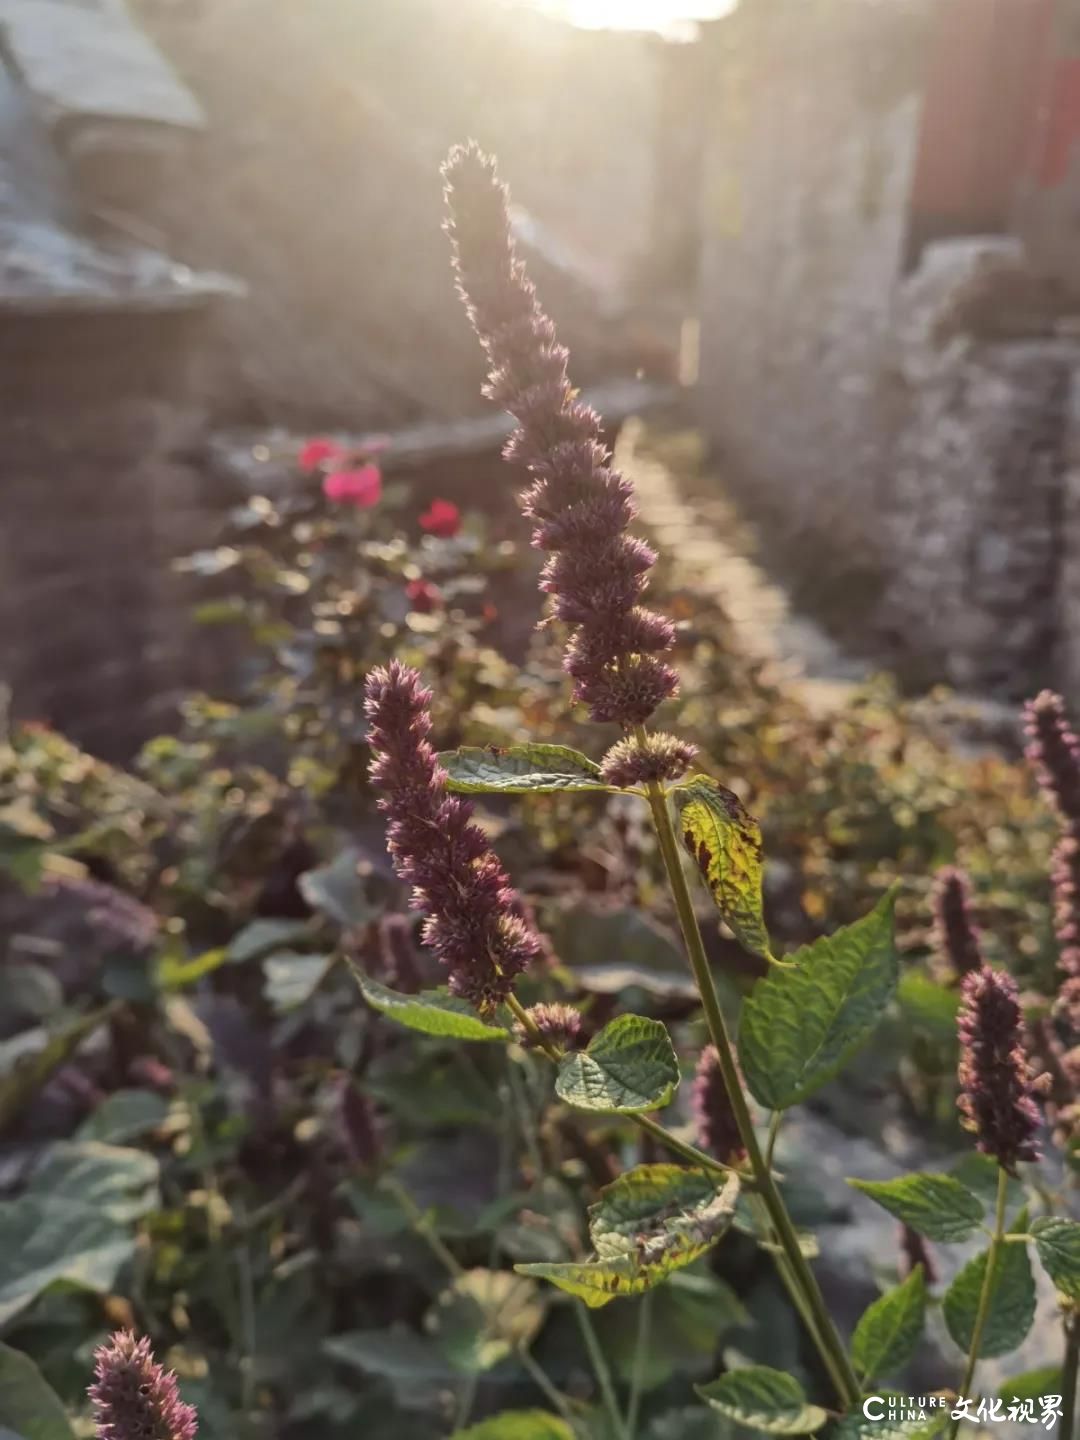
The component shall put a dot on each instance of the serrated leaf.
(663, 1214)
(519, 770)
(888, 1333)
(1012, 1299)
(800, 1025)
(724, 840)
(433, 1012)
(1032, 1384)
(1058, 1243)
(935, 1205)
(650, 1222)
(29, 1408)
(764, 1399)
(628, 1068)
(518, 1425)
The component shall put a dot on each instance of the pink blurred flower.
(361, 487)
(441, 518)
(316, 452)
(423, 596)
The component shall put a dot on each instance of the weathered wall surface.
(811, 143)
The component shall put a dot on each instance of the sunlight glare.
(635, 14)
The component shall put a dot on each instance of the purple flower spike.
(1054, 751)
(716, 1125)
(658, 757)
(558, 1024)
(956, 939)
(472, 915)
(596, 573)
(134, 1398)
(997, 1096)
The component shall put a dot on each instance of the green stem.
(421, 1223)
(641, 1350)
(985, 1294)
(688, 1152)
(546, 1385)
(1069, 1375)
(600, 1367)
(823, 1332)
(771, 1138)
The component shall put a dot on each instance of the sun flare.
(635, 14)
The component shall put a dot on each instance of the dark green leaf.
(937, 1206)
(725, 842)
(799, 1026)
(630, 1067)
(29, 1408)
(434, 1012)
(291, 978)
(263, 937)
(1012, 1300)
(31, 1071)
(45, 1238)
(1058, 1244)
(519, 770)
(124, 1115)
(342, 890)
(118, 1181)
(888, 1333)
(931, 1006)
(764, 1399)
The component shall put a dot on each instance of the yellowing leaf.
(725, 842)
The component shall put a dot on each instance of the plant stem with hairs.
(983, 1310)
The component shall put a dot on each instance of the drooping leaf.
(1012, 1299)
(764, 1399)
(1058, 1243)
(29, 1408)
(434, 1012)
(652, 1221)
(889, 1331)
(519, 770)
(725, 842)
(518, 1425)
(628, 1068)
(799, 1026)
(935, 1205)
(124, 1115)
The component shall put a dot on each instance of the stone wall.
(811, 141)
(95, 502)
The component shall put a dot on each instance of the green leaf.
(764, 1399)
(485, 1315)
(433, 1012)
(888, 1333)
(628, 1068)
(519, 770)
(931, 1006)
(342, 890)
(1058, 1243)
(650, 1222)
(174, 973)
(664, 1215)
(261, 937)
(291, 978)
(124, 1115)
(29, 1408)
(935, 1205)
(1012, 1299)
(799, 1026)
(1032, 1384)
(47, 1238)
(518, 1425)
(692, 1423)
(725, 841)
(116, 1181)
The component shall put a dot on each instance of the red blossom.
(361, 488)
(442, 517)
(316, 452)
(423, 596)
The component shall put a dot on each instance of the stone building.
(889, 302)
(99, 359)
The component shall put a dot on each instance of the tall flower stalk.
(596, 574)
